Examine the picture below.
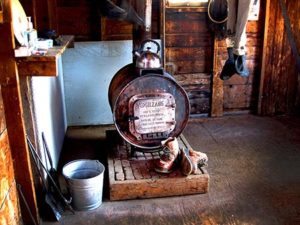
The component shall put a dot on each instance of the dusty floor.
(254, 166)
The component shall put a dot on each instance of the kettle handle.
(150, 40)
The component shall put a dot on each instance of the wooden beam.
(52, 6)
(14, 114)
(1, 12)
(217, 84)
(37, 68)
(264, 53)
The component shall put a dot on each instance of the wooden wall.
(280, 91)
(9, 208)
(242, 93)
(82, 18)
(15, 164)
(189, 54)
(190, 47)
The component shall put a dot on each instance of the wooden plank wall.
(242, 93)
(78, 17)
(120, 30)
(189, 46)
(280, 93)
(189, 55)
(279, 86)
(12, 108)
(82, 18)
(9, 208)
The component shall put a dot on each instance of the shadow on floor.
(254, 166)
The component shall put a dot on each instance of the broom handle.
(38, 169)
(47, 150)
(52, 180)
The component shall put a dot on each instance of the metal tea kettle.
(148, 59)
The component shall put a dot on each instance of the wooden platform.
(132, 175)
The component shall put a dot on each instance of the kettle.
(148, 59)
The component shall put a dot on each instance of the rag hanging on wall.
(238, 12)
(123, 10)
(217, 11)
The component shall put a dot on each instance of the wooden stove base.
(133, 176)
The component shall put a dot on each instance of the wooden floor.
(254, 168)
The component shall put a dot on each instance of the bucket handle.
(99, 163)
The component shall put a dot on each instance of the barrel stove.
(148, 105)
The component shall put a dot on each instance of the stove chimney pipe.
(142, 33)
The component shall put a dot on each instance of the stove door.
(152, 115)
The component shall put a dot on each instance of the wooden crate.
(132, 174)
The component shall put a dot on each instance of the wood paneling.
(186, 30)
(194, 66)
(198, 87)
(9, 211)
(189, 54)
(242, 93)
(188, 40)
(82, 21)
(14, 114)
(82, 18)
(190, 49)
(280, 79)
(115, 30)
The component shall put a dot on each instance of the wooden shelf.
(43, 65)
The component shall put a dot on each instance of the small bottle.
(30, 35)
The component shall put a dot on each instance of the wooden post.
(217, 84)
(264, 53)
(14, 114)
(163, 31)
(52, 14)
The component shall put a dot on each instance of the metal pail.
(85, 182)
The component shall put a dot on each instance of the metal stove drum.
(148, 105)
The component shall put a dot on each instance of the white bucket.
(85, 182)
